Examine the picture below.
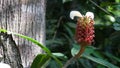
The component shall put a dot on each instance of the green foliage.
(94, 57)
(35, 42)
(101, 61)
(40, 61)
(105, 50)
(43, 58)
(60, 30)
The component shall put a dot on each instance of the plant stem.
(75, 57)
(68, 62)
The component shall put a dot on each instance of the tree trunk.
(26, 17)
(10, 51)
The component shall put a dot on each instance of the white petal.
(3, 65)
(90, 14)
(75, 13)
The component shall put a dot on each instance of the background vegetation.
(60, 29)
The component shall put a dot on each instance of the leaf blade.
(40, 60)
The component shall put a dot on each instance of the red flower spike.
(84, 30)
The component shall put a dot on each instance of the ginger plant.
(84, 31)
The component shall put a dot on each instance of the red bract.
(84, 30)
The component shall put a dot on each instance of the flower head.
(84, 29)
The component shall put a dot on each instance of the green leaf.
(60, 55)
(76, 49)
(97, 54)
(3, 30)
(116, 26)
(35, 42)
(117, 1)
(40, 61)
(66, 1)
(29, 39)
(43, 47)
(87, 54)
(53, 64)
(56, 41)
(100, 61)
(58, 61)
(71, 25)
(69, 31)
(112, 56)
(103, 4)
(89, 50)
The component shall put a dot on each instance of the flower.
(85, 27)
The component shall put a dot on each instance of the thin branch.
(99, 7)
(69, 62)
(58, 24)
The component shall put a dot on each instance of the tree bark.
(26, 17)
(10, 51)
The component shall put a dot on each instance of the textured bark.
(26, 17)
(10, 51)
